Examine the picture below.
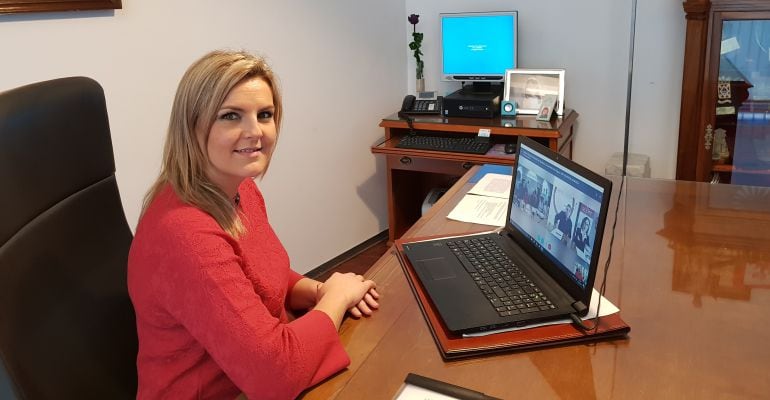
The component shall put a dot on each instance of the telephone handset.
(408, 103)
(413, 105)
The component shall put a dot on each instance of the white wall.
(341, 65)
(590, 40)
(325, 190)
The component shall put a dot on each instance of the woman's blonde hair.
(200, 94)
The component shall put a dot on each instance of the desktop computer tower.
(472, 104)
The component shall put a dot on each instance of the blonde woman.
(208, 277)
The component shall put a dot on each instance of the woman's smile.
(249, 151)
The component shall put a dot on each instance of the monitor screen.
(478, 46)
(558, 211)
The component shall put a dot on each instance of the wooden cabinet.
(413, 173)
(724, 131)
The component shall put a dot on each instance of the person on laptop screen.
(581, 234)
(209, 279)
(563, 220)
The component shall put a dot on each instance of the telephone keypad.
(425, 105)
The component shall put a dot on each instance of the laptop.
(540, 266)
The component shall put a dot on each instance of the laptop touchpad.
(438, 268)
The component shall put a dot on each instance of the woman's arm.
(308, 293)
(304, 294)
(202, 285)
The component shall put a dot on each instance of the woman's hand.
(348, 288)
(346, 292)
(367, 305)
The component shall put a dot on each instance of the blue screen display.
(477, 45)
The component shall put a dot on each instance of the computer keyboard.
(507, 287)
(449, 143)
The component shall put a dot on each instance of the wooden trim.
(696, 9)
(696, 41)
(739, 5)
(525, 125)
(457, 128)
(21, 6)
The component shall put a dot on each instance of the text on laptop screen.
(557, 210)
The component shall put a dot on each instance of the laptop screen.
(557, 210)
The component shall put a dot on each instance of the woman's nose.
(252, 127)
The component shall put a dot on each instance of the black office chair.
(67, 326)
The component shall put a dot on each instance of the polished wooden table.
(690, 272)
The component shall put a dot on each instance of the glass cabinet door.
(738, 135)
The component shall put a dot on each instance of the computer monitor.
(478, 47)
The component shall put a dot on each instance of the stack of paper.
(486, 203)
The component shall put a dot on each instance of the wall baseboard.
(358, 249)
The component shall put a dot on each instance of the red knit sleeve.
(294, 277)
(208, 293)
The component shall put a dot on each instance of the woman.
(563, 219)
(581, 234)
(207, 275)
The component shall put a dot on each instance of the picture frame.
(28, 6)
(528, 86)
(547, 105)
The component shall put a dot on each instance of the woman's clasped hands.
(358, 294)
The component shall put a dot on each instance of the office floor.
(359, 263)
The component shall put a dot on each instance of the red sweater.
(211, 310)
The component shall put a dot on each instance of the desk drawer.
(410, 163)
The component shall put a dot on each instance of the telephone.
(428, 103)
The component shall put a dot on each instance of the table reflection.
(720, 237)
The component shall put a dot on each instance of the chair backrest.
(67, 326)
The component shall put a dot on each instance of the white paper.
(606, 309)
(493, 185)
(412, 392)
(483, 210)
(486, 203)
(729, 45)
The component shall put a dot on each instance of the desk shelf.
(389, 147)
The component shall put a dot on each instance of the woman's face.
(242, 138)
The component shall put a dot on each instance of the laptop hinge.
(579, 307)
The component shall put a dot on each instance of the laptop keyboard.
(506, 286)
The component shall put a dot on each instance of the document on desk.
(412, 392)
(486, 203)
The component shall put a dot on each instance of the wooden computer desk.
(690, 272)
(412, 173)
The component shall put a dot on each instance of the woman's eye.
(230, 116)
(265, 115)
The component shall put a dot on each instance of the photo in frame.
(546, 107)
(527, 87)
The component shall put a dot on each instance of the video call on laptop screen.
(557, 210)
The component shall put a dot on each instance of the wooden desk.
(413, 173)
(690, 272)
